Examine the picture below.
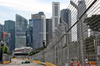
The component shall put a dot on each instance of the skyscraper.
(39, 29)
(48, 31)
(55, 15)
(65, 15)
(82, 8)
(29, 37)
(30, 22)
(20, 31)
(1, 30)
(10, 36)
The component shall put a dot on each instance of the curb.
(49, 64)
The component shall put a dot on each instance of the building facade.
(48, 31)
(65, 15)
(9, 28)
(39, 29)
(55, 16)
(22, 52)
(1, 30)
(30, 22)
(82, 8)
(20, 31)
(29, 34)
(29, 37)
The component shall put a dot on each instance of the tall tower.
(65, 15)
(39, 29)
(55, 15)
(1, 30)
(20, 30)
(48, 31)
(82, 8)
(10, 29)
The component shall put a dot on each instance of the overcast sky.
(8, 8)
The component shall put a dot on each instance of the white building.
(55, 15)
(22, 51)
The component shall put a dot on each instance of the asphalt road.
(17, 62)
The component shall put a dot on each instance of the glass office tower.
(20, 30)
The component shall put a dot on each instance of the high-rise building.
(55, 16)
(65, 15)
(48, 31)
(1, 30)
(39, 29)
(29, 37)
(9, 28)
(29, 34)
(30, 22)
(82, 8)
(20, 31)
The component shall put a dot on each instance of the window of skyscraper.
(56, 22)
(56, 10)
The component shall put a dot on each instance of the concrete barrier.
(49, 64)
(6, 62)
(6, 59)
(38, 62)
(13, 58)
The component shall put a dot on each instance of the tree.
(31, 53)
(93, 22)
(37, 50)
(5, 49)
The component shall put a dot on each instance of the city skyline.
(27, 8)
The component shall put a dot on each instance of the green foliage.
(37, 50)
(42, 48)
(93, 22)
(31, 53)
(5, 49)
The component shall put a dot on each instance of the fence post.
(67, 41)
(95, 46)
(62, 50)
(43, 55)
(81, 41)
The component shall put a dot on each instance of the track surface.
(17, 62)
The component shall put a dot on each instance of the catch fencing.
(77, 42)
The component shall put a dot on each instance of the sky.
(8, 8)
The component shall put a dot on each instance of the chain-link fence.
(73, 44)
